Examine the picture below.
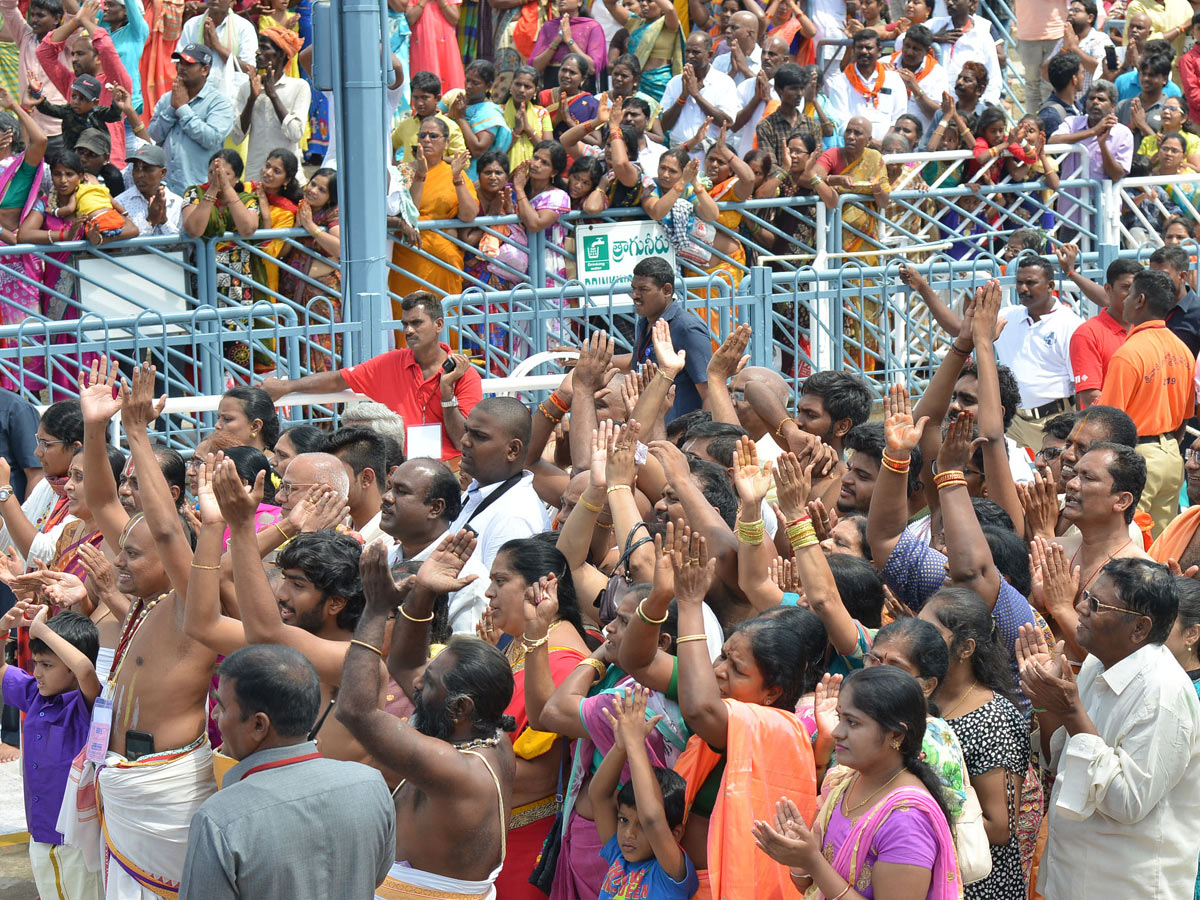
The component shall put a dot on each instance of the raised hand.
(602, 440)
(825, 702)
(1067, 255)
(986, 314)
(138, 407)
(663, 585)
(895, 607)
(1039, 501)
(381, 591)
(98, 397)
(731, 356)
(1060, 582)
(323, 508)
(441, 572)
(670, 360)
(793, 481)
(237, 503)
(900, 433)
(627, 716)
(206, 497)
(593, 362)
(620, 467)
(459, 164)
(956, 449)
(751, 480)
(541, 607)
(788, 841)
(690, 563)
(673, 461)
(823, 519)
(485, 628)
(101, 576)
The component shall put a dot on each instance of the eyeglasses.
(1192, 454)
(1049, 454)
(430, 135)
(44, 444)
(1095, 605)
(738, 396)
(287, 488)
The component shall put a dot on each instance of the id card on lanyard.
(100, 729)
(423, 440)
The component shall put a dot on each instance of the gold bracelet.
(286, 536)
(691, 637)
(645, 618)
(601, 668)
(197, 565)
(782, 422)
(619, 487)
(367, 646)
(591, 507)
(404, 612)
(528, 645)
(670, 378)
(952, 479)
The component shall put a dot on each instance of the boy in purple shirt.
(57, 701)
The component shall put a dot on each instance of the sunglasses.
(430, 135)
(1095, 605)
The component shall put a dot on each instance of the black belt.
(1154, 438)
(1048, 409)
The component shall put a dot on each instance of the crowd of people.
(669, 632)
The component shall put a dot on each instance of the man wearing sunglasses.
(1124, 741)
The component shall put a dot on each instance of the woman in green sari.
(655, 38)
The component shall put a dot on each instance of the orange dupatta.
(859, 85)
(1176, 536)
(768, 755)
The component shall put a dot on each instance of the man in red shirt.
(433, 403)
(1096, 340)
(1150, 377)
(1189, 73)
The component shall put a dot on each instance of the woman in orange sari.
(748, 747)
(733, 181)
(856, 169)
(523, 572)
(440, 190)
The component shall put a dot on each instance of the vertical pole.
(359, 27)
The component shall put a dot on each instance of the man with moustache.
(421, 500)
(868, 88)
(267, 701)
(452, 807)
(313, 607)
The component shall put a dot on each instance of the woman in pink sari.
(882, 818)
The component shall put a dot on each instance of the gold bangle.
(367, 646)
(619, 487)
(404, 612)
(197, 565)
(782, 422)
(286, 536)
(670, 378)
(691, 637)
(645, 618)
(591, 507)
(528, 645)
(893, 467)
(601, 668)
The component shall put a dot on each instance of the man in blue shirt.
(654, 298)
(192, 121)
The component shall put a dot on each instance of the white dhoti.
(146, 810)
(406, 883)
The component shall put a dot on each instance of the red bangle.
(557, 402)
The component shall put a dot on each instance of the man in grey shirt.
(273, 829)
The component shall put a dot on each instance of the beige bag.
(971, 840)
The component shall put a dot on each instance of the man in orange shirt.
(1150, 377)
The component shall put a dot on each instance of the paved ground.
(16, 882)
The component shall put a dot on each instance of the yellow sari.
(438, 201)
(860, 233)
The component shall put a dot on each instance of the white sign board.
(105, 285)
(608, 252)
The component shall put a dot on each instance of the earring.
(254, 434)
(896, 743)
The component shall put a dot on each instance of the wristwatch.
(452, 403)
(6, 491)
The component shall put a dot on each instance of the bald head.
(308, 469)
(495, 439)
(510, 414)
(743, 28)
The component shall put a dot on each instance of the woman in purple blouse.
(571, 33)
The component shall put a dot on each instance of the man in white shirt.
(744, 59)
(232, 40)
(752, 104)
(150, 204)
(967, 38)
(422, 499)
(1124, 740)
(698, 94)
(272, 108)
(500, 503)
(868, 88)
(1036, 345)
(1081, 38)
(924, 77)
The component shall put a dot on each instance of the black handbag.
(542, 876)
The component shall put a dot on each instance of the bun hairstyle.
(924, 645)
(894, 699)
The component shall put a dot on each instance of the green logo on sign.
(595, 253)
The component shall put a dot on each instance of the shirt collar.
(1120, 675)
(1146, 326)
(1112, 322)
(273, 754)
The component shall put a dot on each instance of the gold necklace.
(966, 694)
(479, 742)
(848, 812)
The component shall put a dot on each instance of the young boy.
(81, 112)
(57, 702)
(643, 826)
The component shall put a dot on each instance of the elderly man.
(309, 470)
(150, 205)
(1108, 144)
(192, 121)
(699, 94)
(267, 701)
(745, 57)
(1124, 739)
(458, 765)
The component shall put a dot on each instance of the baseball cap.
(87, 86)
(194, 53)
(150, 154)
(96, 141)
